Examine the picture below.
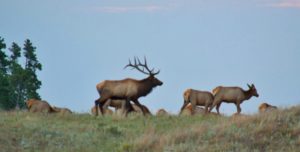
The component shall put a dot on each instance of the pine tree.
(5, 89)
(17, 77)
(31, 67)
(18, 83)
(3, 57)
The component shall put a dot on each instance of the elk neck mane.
(248, 94)
(145, 86)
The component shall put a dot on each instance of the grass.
(273, 131)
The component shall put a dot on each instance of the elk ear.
(249, 85)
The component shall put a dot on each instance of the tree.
(5, 89)
(17, 77)
(31, 66)
(5, 92)
(3, 57)
(18, 83)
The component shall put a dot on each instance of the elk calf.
(234, 95)
(197, 98)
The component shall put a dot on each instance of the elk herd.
(123, 96)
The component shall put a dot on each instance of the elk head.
(142, 67)
(253, 90)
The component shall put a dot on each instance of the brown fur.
(35, 105)
(162, 112)
(127, 89)
(139, 110)
(106, 111)
(265, 107)
(62, 111)
(215, 90)
(197, 98)
(119, 104)
(234, 95)
(187, 111)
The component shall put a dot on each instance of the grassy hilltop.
(274, 131)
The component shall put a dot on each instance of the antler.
(137, 64)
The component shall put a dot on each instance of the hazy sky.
(196, 44)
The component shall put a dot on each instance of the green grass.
(274, 131)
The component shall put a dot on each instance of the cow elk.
(234, 95)
(107, 111)
(197, 98)
(120, 105)
(128, 89)
(62, 111)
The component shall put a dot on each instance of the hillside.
(273, 131)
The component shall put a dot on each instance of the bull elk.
(128, 89)
(197, 98)
(234, 95)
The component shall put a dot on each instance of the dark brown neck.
(145, 87)
(248, 94)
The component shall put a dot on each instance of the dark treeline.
(18, 81)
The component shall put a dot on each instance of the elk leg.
(139, 105)
(206, 107)
(184, 105)
(97, 106)
(101, 102)
(106, 105)
(218, 106)
(193, 108)
(130, 108)
(127, 108)
(212, 107)
(238, 108)
(216, 102)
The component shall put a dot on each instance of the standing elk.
(234, 95)
(128, 89)
(197, 98)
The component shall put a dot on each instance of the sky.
(197, 44)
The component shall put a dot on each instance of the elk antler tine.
(127, 64)
(134, 60)
(139, 61)
(145, 61)
(156, 72)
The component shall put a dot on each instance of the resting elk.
(234, 95)
(119, 104)
(265, 107)
(128, 89)
(35, 105)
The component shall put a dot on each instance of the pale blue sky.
(196, 44)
